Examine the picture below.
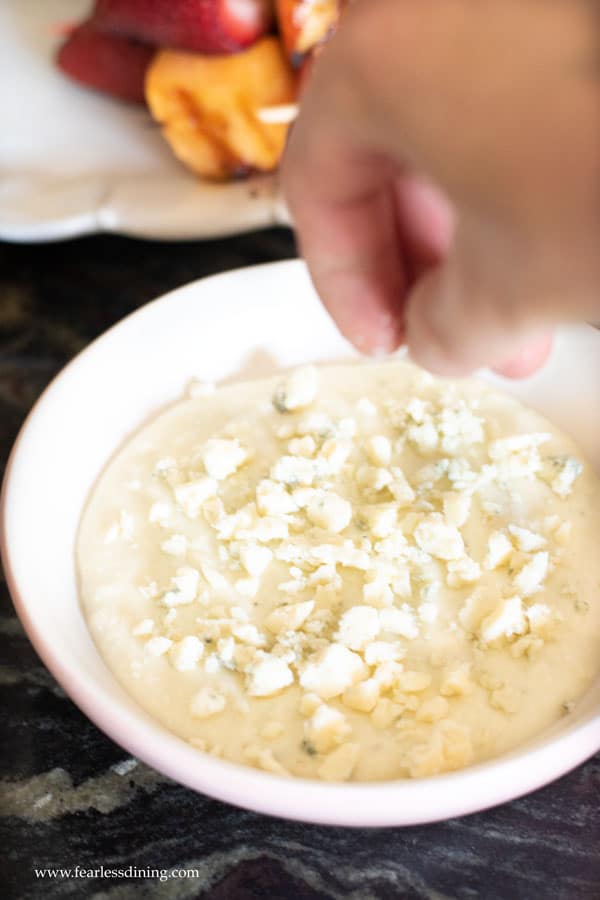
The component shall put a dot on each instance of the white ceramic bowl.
(244, 322)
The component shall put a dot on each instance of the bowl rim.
(402, 802)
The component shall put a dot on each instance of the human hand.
(444, 177)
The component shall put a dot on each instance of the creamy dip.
(357, 572)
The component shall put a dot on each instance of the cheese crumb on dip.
(358, 572)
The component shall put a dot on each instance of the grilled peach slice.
(208, 105)
(305, 23)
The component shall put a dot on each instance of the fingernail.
(382, 335)
(531, 358)
(379, 352)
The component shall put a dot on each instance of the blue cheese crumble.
(343, 576)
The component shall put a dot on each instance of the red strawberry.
(115, 65)
(206, 26)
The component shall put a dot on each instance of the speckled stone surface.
(70, 797)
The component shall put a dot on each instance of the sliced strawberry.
(62, 29)
(115, 65)
(206, 26)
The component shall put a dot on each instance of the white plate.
(250, 321)
(75, 162)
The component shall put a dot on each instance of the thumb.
(458, 320)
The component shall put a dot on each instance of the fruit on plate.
(306, 23)
(207, 106)
(205, 26)
(222, 88)
(106, 62)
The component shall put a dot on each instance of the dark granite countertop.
(70, 797)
